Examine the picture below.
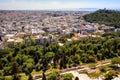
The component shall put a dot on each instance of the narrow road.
(80, 76)
(75, 70)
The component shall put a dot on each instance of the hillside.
(107, 17)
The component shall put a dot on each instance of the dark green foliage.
(30, 77)
(67, 76)
(27, 68)
(7, 71)
(16, 77)
(15, 70)
(24, 58)
(2, 78)
(5, 78)
(103, 69)
(53, 76)
(15, 67)
(76, 59)
(116, 60)
(107, 17)
(110, 75)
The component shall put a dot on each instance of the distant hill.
(107, 17)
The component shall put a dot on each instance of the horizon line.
(61, 9)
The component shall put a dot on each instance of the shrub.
(68, 76)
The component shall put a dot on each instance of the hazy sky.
(57, 4)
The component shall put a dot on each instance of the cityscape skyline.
(56, 4)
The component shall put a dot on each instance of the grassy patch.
(92, 66)
(24, 78)
(5, 77)
(36, 72)
(95, 75)
(83, 71)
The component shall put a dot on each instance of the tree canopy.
(107, 17)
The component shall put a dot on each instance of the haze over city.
(59, 39)
(56, 4)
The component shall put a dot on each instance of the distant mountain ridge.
(80, 9)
